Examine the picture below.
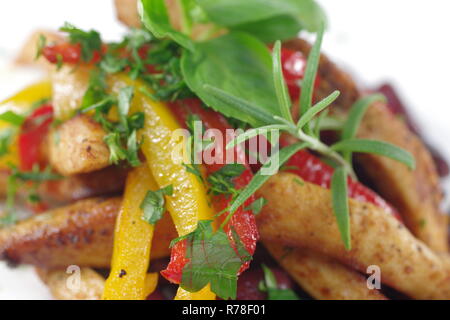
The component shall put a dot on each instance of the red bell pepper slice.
(66, 52)
(32, 135)
(243, 221)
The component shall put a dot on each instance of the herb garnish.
(17, 177)
(212, 260)
(153, 204)
(221, 181)
(270, 285)
(89, 41)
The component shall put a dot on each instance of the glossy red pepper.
(32, 134)
(243, 221)
(66, 52)
(294, 65)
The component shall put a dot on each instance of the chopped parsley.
(221, 181)
(212, 260)
(153, 204)
(89, 41)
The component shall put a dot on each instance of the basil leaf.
(340, 204)
(234, 13)
(153, 204)
(269, 30)
(376, 147)
(235, 63)
(155, 17)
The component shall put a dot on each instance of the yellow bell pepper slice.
(128, 278)
(21, 104)
(189, 202)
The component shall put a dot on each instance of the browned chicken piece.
(73, 283)
(77, 146)
(28, 54)
(416, 194)
(68, 88)
(302, 216)
(80, 234)
(322, 277)
(127, 12)
(108, 181)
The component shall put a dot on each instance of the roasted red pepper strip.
(32, 135)
(66, 52)
(294, 65)
(243, 221)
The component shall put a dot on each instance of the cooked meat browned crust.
(77, 146)
(322, 277)
(80, 234)
(416, 193)
(108, 181)
(302, 216)
(127, 12)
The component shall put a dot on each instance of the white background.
(404, 42)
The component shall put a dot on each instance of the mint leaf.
(153, 204)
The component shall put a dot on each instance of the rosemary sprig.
(339, 153)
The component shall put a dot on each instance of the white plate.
(377, 39)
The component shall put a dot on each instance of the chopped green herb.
(274, 292)
(12, 118)
(212, 260)
(153, 204)
(90, 41)
(256, 206)
(221, 181)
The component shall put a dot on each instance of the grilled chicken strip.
(416, 194)
(108, 181)
(302, 216)
(322, 277)
(77, 146)
(80, 234)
